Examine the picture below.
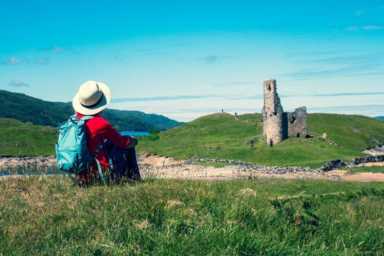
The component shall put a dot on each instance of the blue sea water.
(134, 133)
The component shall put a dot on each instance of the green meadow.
(51, 216)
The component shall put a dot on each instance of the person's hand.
(133, 142)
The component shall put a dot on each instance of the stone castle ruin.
(277, 124)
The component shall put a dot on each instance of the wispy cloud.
(212, 59)
(12, 61)
(350, 58)
(370, 27)
(42, 61)
(18, 84)
(368, 110)
(53, 49)
(163, 98)
(333, 65)
(348, 71)
(341, 94)
(236, 83)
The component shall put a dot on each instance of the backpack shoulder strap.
(86, 118)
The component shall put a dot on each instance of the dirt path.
(365, 177)
(161, 167)
(168, 168)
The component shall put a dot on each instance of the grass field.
(25, 139)
(225, 137)
(368, 169)
(50, 216)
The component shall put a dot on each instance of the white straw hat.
(92, 98)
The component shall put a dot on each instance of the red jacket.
(99, 129)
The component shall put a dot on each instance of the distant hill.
(28, 109)
(223, 136)
(381, 118)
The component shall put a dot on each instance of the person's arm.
(116, 138)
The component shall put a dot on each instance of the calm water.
(134, 133)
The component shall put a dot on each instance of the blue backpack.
(71, 149)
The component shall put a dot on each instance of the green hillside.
(28, 109)
(25, 139)
(223, 136)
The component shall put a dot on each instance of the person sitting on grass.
(114, 154)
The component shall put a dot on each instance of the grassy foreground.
(49, 216)
(226, 137)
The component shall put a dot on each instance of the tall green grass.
(50, 216)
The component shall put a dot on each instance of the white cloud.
(18, 83)
(364, 28)
(372, 27)
(12, 61)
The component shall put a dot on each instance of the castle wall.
(297, 123)
(277, 124)
(273, 129)
(272, 114)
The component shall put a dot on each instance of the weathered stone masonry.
(277, 124)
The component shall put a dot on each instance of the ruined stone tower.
(277, 124)
(272, 114)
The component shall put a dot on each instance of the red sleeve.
(114, 136)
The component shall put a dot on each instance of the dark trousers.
(122, 166)
(123, 163)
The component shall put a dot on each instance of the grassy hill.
(25, 139)
(28, 109)
(225, 137)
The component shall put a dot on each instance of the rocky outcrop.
(376, 151)
(367, 159)
(26, 165)
(333, 165)
(340, 164)
(255, 167)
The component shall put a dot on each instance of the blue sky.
(185, 59)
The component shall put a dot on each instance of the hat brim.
(103, 104)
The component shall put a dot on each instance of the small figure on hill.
(110, 155)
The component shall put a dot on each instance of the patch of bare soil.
(158, 161)
(364, 177)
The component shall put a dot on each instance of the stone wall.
(297, 123)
